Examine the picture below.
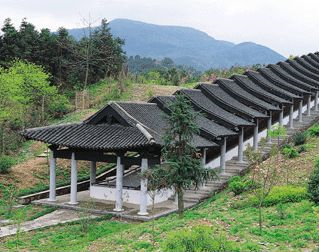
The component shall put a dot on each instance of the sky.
(290, 27)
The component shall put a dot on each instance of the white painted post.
(52, 194)
(92, 172)
(281, 117)
(241, 145)
(204, 156)
(300, 111)
(74, 180)
(119, 186)
(308, 105)
(291, 116)
(316, 100)
(143, 195)
(223, 155)
(255, 139)
(269, 122)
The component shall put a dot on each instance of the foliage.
(314, 130)
(300, 138)
(197, 239)
(6, 162)
(289, 152)
(60, 54)
(282, 194)
(313, 184)
(238, 185)
(181, 168)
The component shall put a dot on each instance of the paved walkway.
(59, 216)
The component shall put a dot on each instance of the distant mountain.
(186, 46)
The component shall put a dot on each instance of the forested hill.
(186, 46)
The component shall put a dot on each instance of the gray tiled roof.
(298, 73)
(258, 90)
(310, 60)
(307, 65)
(204, 123)
(218, 95)
(232, 88)
(275, 79)
(202, 102)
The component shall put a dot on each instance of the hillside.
(230, 220)
(186, 46)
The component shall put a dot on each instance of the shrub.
(283, 194)
(6, 163)
(314, 130)
(238, 185)
(300, 138)
(302, 148)
(290, 152)
(197, 239)
(313, 184)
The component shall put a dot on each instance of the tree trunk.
(180, 199)
(260, 218)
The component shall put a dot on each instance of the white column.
(92, 172)
(223, 155)
(316, 100)
(300, 111)
(269, 122)
(119, 186)
(291, 116)
(52, 194)
(255, 139)
(143, 193)
(241, 145)
(308, 105)
(74, 180)
(204, 157)
(281, 116)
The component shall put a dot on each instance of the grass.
(292, 227)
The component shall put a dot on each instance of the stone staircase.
(234, 167)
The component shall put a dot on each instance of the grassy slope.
(297, 231)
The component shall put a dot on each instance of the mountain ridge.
(186, 45)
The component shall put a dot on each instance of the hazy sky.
(287, 26)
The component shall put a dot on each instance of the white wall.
(234, 151)
(129, 196)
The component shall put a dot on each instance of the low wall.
(129, 196)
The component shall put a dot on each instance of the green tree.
(181, 168)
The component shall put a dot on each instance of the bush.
(300, 138)
(313, 184)
(6, 163)
(290, 152)
(314, 130)
(197, 239)
(282, 194)
(238, 185)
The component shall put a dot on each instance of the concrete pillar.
(291, 116)
(241, 145)
(143, 193)
(300, 111)
(308, 105)
(269, 122)
(52, 194)
(74, 180)
(316, 100)
(223, 155)
(281, 117)
(204, 157)
(119, 186)
(255, 139)
(93, 172)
